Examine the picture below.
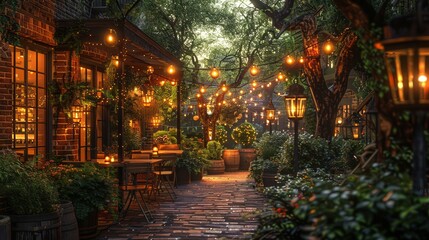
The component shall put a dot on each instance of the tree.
(326, 98)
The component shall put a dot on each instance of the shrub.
(245, 135)
(214, 150)
(28, 190)
(165, 137)
(221, 134)
(88, 187)
(192, 158)
(268, 146)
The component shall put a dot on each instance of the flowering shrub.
(221, 134)
(88, 187)
(245, 135)
(379, 205)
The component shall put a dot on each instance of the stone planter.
(232, 160)
(216, 167)
(247, 155)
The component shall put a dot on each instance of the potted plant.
(245, 135)
(193, 158)
(31, 198)
(231, 157)
(89, 188)
(214, 155)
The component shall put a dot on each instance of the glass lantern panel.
(422, 79)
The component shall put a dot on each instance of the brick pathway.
(219, 207)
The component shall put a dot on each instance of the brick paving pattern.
(218, 207)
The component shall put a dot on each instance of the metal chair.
(166, 174)
(138, 179)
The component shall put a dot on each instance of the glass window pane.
(31, 114)
(32, 58)
(20, 95)
(99, 80)
(19, 76)
(41, 136)
(31, 78)
(19, 57)
(41, 115)
(31, 96)
(31, 130)
(41, 97)
(89, 75)
(82, 74)
(41, 65)
(20, 114)
(41, 78)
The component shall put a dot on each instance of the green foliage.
(9, 27)
(214, 150)
(27, 189)
(378, 205)
(165, 137)
(71, 36)
(221, 134)
(132, 139)
(268, 146)
(230, 113)
(245, 135)
(87, 187)
(193, 157)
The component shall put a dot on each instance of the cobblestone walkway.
(219, 207)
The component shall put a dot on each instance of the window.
(86, 75)
(29, 105)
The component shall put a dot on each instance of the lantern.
(111, 38)
(147, 98)
(214, 73)
(253, 71)
(156, 120)
(77, 112)
(115, 60)
(155, 151)
(270, 112)
(406, 46)
(295, 102)
(407, 63)
(352, 127)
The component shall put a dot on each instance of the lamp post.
(295, 102)
(406, 46)
(270, 112)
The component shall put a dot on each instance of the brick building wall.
(5, 99)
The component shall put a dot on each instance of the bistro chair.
(138, 179)
(166, 174)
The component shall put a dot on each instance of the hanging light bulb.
(150, 70)
(198, 95)
(328, 47)
(224, 88)
(173, 83)
(254, 70)
(281, 76)
(162, 82)
(111, 38)
(214, 73)
(202, 89)
(171, 70)
(289, 60)
(254, 84)
(301, 60)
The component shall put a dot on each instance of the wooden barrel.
(247, 155)
(269, 179)
(183, 176)
(216, 167)
(232, 160)
(88, 227)
(5, 232)
(36, 227)
(69, 228)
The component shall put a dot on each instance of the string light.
(253, 71)
(289, 60)
(171, 70)
(214, 73)
(301, 60)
